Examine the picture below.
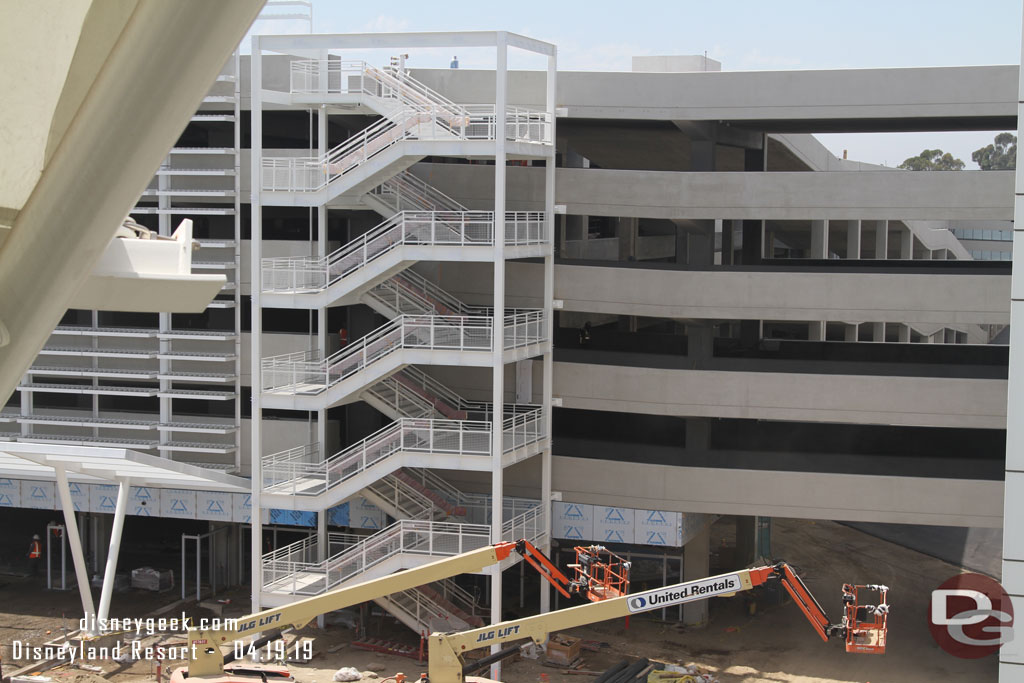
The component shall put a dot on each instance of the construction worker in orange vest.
(35, 552)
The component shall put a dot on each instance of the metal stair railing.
(314, 173)
(410, 292)
(299, 558)
(408, 394)
(341, 77)
(394, 493)
(417, 611)
(439, 501)
(302, 373)
(424, 122)
(314, 76)
(399, 85)
(426, 611)
(523, 429)
(396, 400)
(421, 228)
(406, 191)
(449, 437)
(529, 525)
(525, 328)
(460, 598)
(415, 537)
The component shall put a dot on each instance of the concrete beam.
(909, 297)
(895, 99)
(807, 397)
(803, 495)
(895, 195)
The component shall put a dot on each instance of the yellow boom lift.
(599, 575)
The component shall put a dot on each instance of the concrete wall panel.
(920, 401)
(837, 195)
(846, 497)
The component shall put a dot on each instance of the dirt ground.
(776, 645)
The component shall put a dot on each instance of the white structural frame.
(316, 47)
(119, 465)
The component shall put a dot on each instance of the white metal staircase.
(410, 113)
(299, 479)
(434, 428)
(304, 381)
(413, 393)
(408, 192)
(291, 572)
(391, 247)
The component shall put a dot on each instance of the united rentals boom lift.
(208, 661)
(863, 628)
(598, 574)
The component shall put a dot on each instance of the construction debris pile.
(646, 671)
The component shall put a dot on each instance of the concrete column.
(702, 155)
(549, 295)
(881, 239)
(904, 332)
(627, 230)
(878, 332)
(700, 339)
(816, 330)
(323, 547)
(853, 235)
(498, 329)
(696, 565)
(906, 244)
(746, 540)
(851, 332)
(750, 333)
(700, 250)
(524, 381)
(698, 433)
(819, 239)
(755, 245)
(256, 316)
(726, 256)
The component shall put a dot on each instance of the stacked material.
(151, 579)
(624, 672)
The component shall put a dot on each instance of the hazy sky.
(598, 35)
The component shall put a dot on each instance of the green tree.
(932, 160)
(1000, 156)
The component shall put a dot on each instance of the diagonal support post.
(75, 541)
(112, 552)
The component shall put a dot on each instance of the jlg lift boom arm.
(446, 649)
(208, 661)
(205, 645)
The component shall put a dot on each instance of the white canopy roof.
(105, 465)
